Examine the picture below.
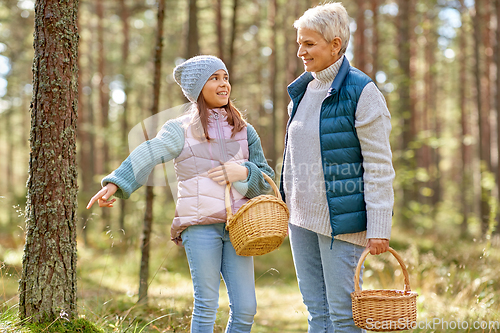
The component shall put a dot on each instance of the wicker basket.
(260, 225)
(384, 310)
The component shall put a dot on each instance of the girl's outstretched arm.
(135, 170)
(103, 195)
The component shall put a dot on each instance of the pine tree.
(47, 289)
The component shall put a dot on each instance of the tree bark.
(86, 124)
(486, 82)
(482, 122)
(259, 96)
(293, 65)
(102, 163)
(84, 158)
(148, 215)
(359, 37)
(232, 40)
(218, 24)
(103, 89)
(405, 103)
(273, 72)
(47, 289)
(124, 15)
(193, 46)
(465, 148)
(428, 111)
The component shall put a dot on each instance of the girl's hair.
(330, 20)
(234, 116)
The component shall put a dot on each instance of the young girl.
(211, 145)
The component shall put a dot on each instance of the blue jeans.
(325, 273)
(210, 254)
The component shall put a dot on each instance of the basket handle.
(227, 200)
(396, 255)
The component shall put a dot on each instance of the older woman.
(337, 173)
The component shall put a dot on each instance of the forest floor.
(457, 282)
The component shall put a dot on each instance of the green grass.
(456, 279)
(80, 325)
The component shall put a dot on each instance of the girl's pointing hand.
(103, 195)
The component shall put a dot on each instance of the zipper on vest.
(220, 137)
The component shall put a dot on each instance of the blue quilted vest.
(340, 148)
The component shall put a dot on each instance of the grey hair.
(330, 20)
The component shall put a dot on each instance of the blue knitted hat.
(192, 74)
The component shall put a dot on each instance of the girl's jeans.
(210, 254)
(325, 272)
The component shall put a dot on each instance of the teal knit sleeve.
(255, 184)
(134, 171)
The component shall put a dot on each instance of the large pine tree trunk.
(148, 215)
(48, 282)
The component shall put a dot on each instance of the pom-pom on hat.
(192, 74)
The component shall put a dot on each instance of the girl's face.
(316, 53)
(217, 89)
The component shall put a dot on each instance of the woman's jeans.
(210, 254)
(325, 272)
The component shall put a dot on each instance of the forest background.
(437, 63)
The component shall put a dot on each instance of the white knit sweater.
(303, 173)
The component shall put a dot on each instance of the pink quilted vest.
(200, 200)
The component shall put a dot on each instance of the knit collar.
(325, 77)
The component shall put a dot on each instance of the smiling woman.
(315, 51)
(338, 122)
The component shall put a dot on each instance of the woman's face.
(217, 89)
(316, 53)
